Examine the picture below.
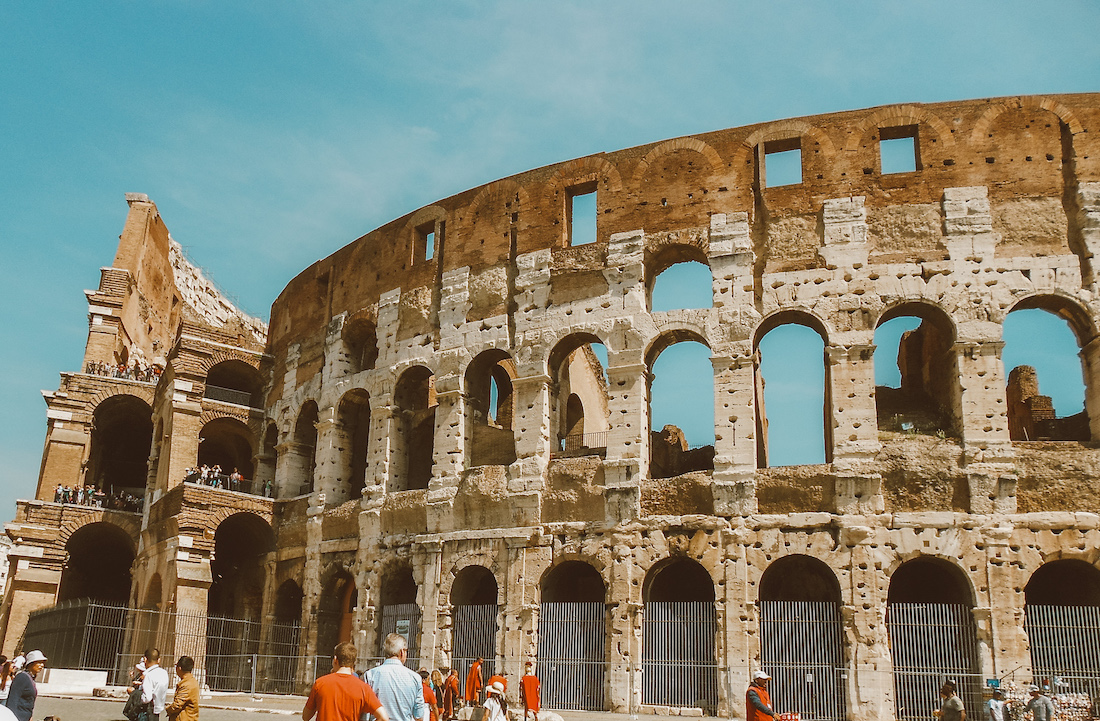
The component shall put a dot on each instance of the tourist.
(451, 694)
(134, 707)
(758, 701)
(399, 688)
(154, 686)
(995, 708)
(474, 683)
(6, 674)
(24, 691)
(1040, 705)
(235, 479)
(341, 695)
(429, 696)
(185, 703)
(951, 707)
(496, 707)
(437, 688)
(57, 494)
(530, 691)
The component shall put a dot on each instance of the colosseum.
(429, 439)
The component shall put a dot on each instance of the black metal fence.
(231, 654)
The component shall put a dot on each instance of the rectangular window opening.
(425, 241)
(582, 214)
(898, 149)
(782, 162)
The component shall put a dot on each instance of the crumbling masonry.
(436, 430)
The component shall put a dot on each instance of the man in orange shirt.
(341, 695)
(450, 694)
(474, 682)
(530, 691)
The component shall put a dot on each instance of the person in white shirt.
(154, 686)
(996, 707)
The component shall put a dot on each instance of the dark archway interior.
(1068, 582)
(681, 579)
(98, 567)
(398, 586)
(362, 344)
(122, 433)
(354, 413)
(240, 544)
(336, 612)
(799, 578)
(415, 397)
(573, 582)
(236, 375)
(288, 603)
(929, 580)
(574, 416)
(226, 442)
(474, 586)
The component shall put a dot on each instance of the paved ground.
(240, 707)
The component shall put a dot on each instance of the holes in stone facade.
(899, 150)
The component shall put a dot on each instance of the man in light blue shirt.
(398, 687)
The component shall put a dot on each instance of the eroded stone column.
(627, 459)
(734, 432)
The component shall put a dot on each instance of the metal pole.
(254, 659)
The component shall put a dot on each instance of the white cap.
(759, 675)
(35, 656)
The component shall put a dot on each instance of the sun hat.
(495, 687)
(35, 656)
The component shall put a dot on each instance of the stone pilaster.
(627, 440)
(845, 232)
(968, 224)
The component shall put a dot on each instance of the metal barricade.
(932, 643)
(678, 655)
(571, 659)
(802, 648)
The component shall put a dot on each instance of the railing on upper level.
(226, 482)
(229, 395)
(578, 442)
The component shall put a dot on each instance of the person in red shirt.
(530, 691)
(757, 700)
(450, 694)
(497, 677)
(474, 682)
(429, 697)
(341, 695)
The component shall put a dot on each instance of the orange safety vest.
(752, 713)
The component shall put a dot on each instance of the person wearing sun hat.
(496, 707)
(24, 692)
(757, 700)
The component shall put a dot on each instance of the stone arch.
(360, 337)
(227, 442)
(671, 333)
(353, 420)
(893, 116)
(1063, 305)
(669, 146)
(671, 452)
(413, 445)
(678, 578)
(585, 169)
(288, 602)
(799, 577)
(662, 256)
(917, 568)
(336, 608)
(113, 390)
(784, 129)
(979, 136)
(98, 561)
(573, 580)
(576, 371)
(797, 315)
(572, 631)
(242, 542)
(73, 522)
(491, 439)
(233, 380)
(120, 444)
(495, 191)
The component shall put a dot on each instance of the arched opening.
(241, 543)
(336, 612)
(226, 444)
(679, 663)
(474, 619)
(302, 465)
(681, 405)
(1043, 337)
(283, 638)
(234, 381)
(154, 595)
(121, 436)
(399, 610)
(578, 395)
(264, 483)
(97, 564)
(792, 411)
(361, 344)
(678, 276)
(572, 634)
(490, 407)
(353, 416)
(413, 446)
(916, 372)
(801, 637)
(932, 636)
(1062, 618)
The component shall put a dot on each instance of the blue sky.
(272, 133)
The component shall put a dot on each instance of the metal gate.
(801, 648)
(931, 643)
(402, 618)
(571, 655)
(475, 635)
(1065, 647)
(678, 663)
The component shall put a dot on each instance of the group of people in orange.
(444, 696)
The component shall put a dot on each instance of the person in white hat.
(24, 692)
(496, 707)
(757, 700)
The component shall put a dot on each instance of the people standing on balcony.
(24, 691)
(235, 479)
(474, 683)
(154, 687)
(185, 702)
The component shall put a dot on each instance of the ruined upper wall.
(1028, 151)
